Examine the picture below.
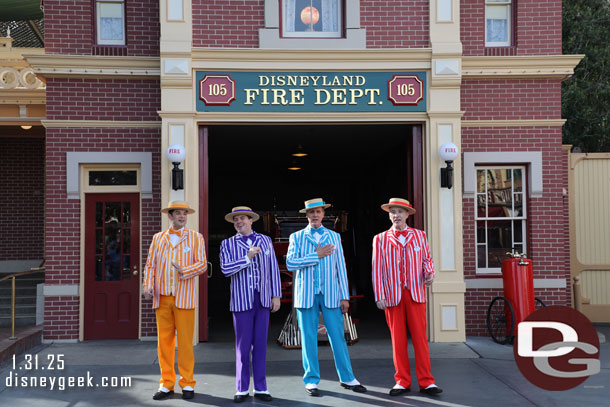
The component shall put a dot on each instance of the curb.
(26, 340)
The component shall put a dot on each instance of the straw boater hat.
(241, 210)
(173, 205)
(399, 203)
(314, 203)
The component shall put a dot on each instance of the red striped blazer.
(391, 259)
(189, 253)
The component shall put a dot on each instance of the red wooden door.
(112, 275)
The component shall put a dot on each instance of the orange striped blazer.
(189, 253)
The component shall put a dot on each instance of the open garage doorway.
(356, 168)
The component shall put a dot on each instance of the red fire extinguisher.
(518, 279)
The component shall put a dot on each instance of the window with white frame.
(110, 22)
(498, 23)
(500, 215)
(312, 18)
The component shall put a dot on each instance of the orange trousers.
(411, 314)
(170, 320)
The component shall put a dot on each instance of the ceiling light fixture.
(300, 152)
(26, 127)
(294, 166)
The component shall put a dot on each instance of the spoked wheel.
(539, 304)
(500, 320)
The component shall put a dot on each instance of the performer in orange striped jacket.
(402, 265)
(175, 257)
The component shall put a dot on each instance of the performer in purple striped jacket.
(249, 259)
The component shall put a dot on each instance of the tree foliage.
(586, 95)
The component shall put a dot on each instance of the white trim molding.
(52, 290)
(522, 66)
(74, 159)
(514, 123)
(533, 159)
(121, 124)
(496, 283)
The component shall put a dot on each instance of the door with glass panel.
(112, 275)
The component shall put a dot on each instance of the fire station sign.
(311, 91)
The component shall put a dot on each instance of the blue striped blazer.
(233, 264)
(303, 260)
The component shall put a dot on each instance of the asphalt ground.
(476, 373)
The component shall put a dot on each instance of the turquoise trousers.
(308, 324)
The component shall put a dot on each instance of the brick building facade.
(116, 107)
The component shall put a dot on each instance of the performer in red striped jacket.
(402, 266)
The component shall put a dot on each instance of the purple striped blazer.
(233, 264)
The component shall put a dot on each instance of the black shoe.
(312, 392)
(238, 398)
(398, 392)
(161, 395)
(358, 388)
(188, 394)
(263, 396)
(431, 391)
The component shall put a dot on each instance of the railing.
(13, 277)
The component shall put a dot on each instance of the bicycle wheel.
(500, 320)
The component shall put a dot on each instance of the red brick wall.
(477, 302)
(503, 99)
(151, 224)
(396, 24)
(538, 27)
(235, 23)
(69, 27)
(103, 99)
(472, 26)
(227, 23)
(63, 240)
(22, 198)
(547, 218)
(60, 318)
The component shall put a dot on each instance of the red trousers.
(411, 314)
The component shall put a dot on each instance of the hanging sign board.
(311, 91)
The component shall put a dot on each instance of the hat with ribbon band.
(398, 203)
(241, 210)
(173, 205)
(314, 203)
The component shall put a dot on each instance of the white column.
(446, 299)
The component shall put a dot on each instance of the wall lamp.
(448, 153)
(176, 154)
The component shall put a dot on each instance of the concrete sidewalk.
(476, 373)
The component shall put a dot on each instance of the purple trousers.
(251, 328)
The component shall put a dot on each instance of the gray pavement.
(476, 373)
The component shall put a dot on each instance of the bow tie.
(317, 230)
(400, 233)
(175, 232)
(246, 238)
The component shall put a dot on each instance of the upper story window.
(498, 23)
(312, 18)
(110, 22)
(500, 215)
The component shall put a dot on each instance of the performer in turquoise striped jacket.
(315, 256)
